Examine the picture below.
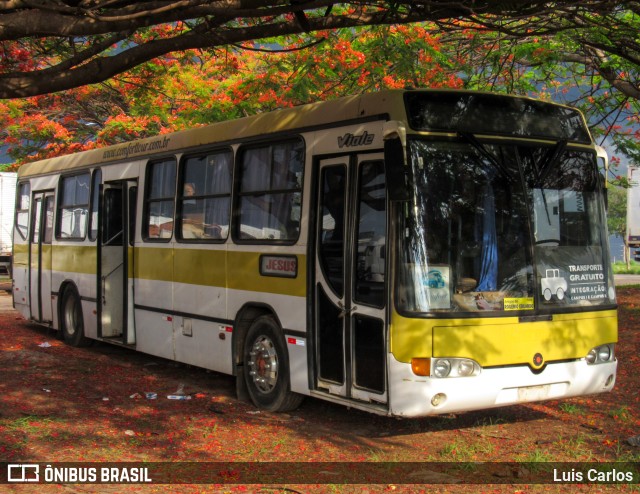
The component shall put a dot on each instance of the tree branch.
(39, 23)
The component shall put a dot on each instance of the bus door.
(40, 257)
(115, 236)
(350, 302)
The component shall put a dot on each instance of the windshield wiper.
(550, 161)
(471, 139)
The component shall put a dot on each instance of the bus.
(403, 252)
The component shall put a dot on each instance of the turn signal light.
(421, 366)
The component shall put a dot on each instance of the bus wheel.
(72, 322)
(267, 367)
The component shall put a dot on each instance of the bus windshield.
(502, 227)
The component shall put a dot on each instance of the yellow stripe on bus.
(205, 267)
(153, 263)
(67, 258)
(45, 257)
(74, 258)
(64, 258)
(20, 257)
(210, 268)
(246, 266)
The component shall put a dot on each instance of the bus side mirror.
(396, 170)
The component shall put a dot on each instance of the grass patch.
(489, 421)
(621, 267)
(539, 456)
(460, 450)
(576, 448)
(29, 424)
(381, 456)
(622, 414)
(571, 408)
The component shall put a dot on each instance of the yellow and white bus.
(407, 253)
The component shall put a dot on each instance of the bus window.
(570, 245)
(205, 198)
(331, 249)
(48, 220)
(74, 207)
(466, 236)
(161, 189)
(112, 220)
(37, 213)
(493, 206)
(22, 210)
(95, 197)
(271, 192)
(372, 225)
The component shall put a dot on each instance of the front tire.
(72, 319)
(267, 367)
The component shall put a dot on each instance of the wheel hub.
(263, 364)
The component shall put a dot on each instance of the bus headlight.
(455, 367)
(600, 354)
(442, 368)
(466, 368)
(604, 353)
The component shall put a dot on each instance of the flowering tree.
(53, 45)
(193, 88)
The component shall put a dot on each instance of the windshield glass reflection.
(502, 228)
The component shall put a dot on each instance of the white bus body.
(285, 268)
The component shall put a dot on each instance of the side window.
(270, 192)
(42, 219)
(74, 207)
(36, 220)
(205, 199)
(161, 189)
(331, 245)
(22, 209)
(95, 198)
(372, 229)
(112, 221)
(133, 200)
(48, 219)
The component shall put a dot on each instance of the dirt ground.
(63, 404)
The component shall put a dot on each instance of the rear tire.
(266, 367)
(72, 319)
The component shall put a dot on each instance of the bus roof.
(383, 104)
(305, 116)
